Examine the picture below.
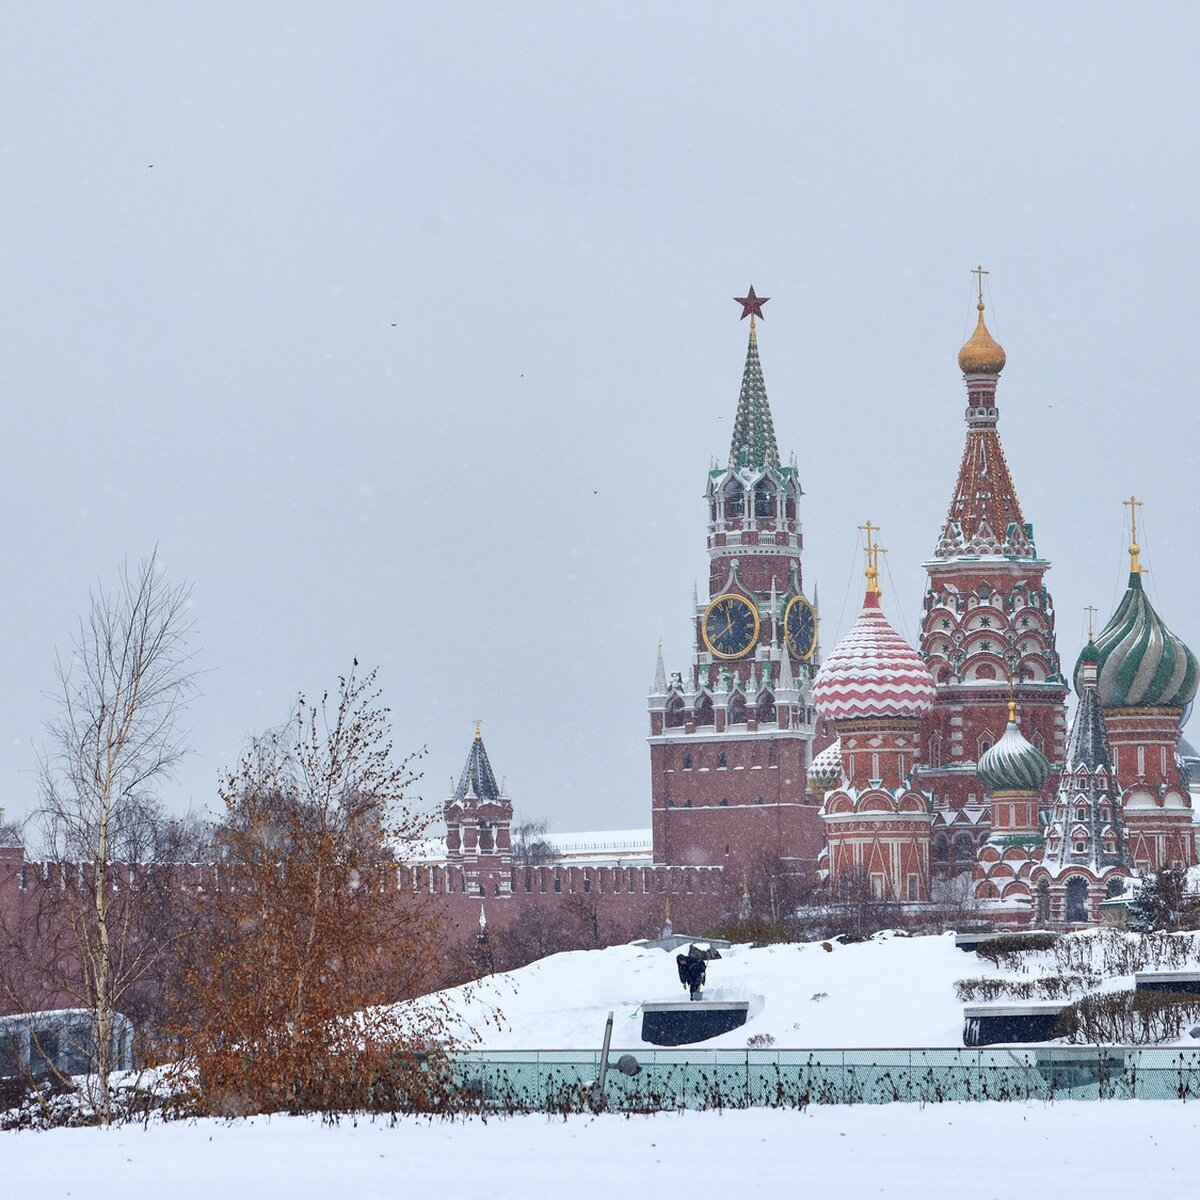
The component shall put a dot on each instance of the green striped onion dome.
(826, 769)
(1013, 764)
(1140, 662)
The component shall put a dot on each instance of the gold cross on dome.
(1091, 611)
(1133, 504)
(874, 550)
(979, 273)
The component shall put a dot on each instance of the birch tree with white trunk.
(116, 737)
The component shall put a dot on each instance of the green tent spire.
(753, 430)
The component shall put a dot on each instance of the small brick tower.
(988, 617)
(478, 821)
(875, 690)
(1146, 676)
(731, 737)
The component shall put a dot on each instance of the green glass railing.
(566, 1080)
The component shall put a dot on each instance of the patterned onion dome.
(873, 672)
(1140, 662)
(981, 353)
(1013, 764)
(826, 769)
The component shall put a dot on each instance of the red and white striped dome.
(873, 672)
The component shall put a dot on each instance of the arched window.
(935, 750)
(764, 500)
(720, 758)
(737, 709)
(735, 502)
(766, 708)
(674, 718)
(687, 762)
(1077, 899)
(704, 710)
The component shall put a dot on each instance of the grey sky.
(406, 332)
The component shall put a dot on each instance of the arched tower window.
(735, 501)
(674, 719)
(704, 711)
(764, 500)
(737, 709)
(766, 708)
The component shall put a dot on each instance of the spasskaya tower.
(731, 736)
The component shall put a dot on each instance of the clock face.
(730, 626)
(800, 628)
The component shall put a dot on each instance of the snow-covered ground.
(891, 991)
(939, 1152)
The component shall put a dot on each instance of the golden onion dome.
(981, 353)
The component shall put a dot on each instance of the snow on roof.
(423, 850)
(625, 843)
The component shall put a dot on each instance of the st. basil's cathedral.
(910, 775)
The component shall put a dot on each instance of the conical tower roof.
(477, 775)
(753, 443)
(1087, 743)
(985, 518)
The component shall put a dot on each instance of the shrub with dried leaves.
(288, 1002)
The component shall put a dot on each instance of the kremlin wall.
(908, 774)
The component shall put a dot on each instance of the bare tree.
(530, 847)
(533, 933)
(116, 736)
(10, 832)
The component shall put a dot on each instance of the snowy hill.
(893, 990)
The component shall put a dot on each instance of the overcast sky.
(405, 332)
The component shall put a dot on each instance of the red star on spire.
(751, 304)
